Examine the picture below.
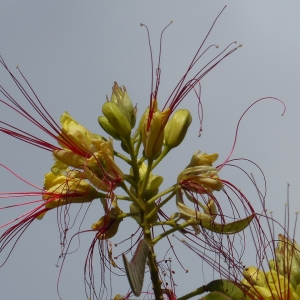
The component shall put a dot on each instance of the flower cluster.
(86, 169)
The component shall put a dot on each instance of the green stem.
(145, 177)
(119, 197)
(133, 162)
(157, 207)
(155, 276)
(169, 190)
(196, 292)
(175, 228)
(170, 222)
(136, 151)
(123, 157)
(152, 261)
(126, 215)
(164, 152)
(101, 195)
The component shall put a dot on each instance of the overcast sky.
(73, 51)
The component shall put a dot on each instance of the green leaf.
(227, 287)
(135, 270)
(229, 228)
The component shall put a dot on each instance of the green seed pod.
(117, 119)
(177, 127)
(106, 126)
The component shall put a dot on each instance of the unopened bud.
(177, 127)
(152, 187)
(108, 128)
(116, 119)
(121, 98)
(153, 137)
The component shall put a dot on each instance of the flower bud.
(107, 127)
(153, 133)
(177, 127)
(116, 119)
(121, 98)
(152, 188)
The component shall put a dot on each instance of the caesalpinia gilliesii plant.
(85, 169)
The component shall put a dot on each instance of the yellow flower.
(78, 144)
(287, 259)
(100, 167)
(270, 285)
(201, 179)
(61, 190)
(200, 176)
(76, 137)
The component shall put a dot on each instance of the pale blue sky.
(73, 51)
